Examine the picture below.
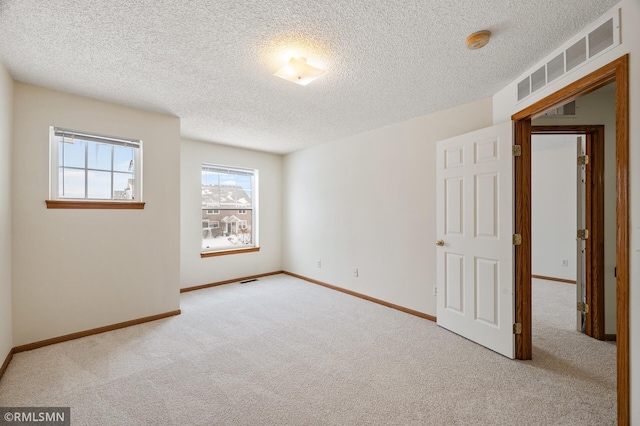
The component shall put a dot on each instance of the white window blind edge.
(66, 133)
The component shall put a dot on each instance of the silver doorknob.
(439, 243)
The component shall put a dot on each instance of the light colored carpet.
(281, 351)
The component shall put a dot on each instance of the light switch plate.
(636, 238)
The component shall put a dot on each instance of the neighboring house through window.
(227, 193)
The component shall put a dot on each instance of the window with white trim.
(229, 192)
(92, 167)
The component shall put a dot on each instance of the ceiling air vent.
(566, 110)
(601, 38)
(581, 50)
(524, 89)
(555, 67)
(576, 54)
(538, 79)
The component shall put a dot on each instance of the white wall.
(75, 270)
(599, 107)
(197, 271)
(553, 205)
(504, 104)
(6, 121)
(368, 201)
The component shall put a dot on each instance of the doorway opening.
(616, 71)
(593, 261)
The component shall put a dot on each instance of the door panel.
(454, 204)
(474, 199)
(454, 282)
(486, 202)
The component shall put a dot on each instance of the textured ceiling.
(211, 62)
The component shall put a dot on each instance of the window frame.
(55, 201)
(255, 246)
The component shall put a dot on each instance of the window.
(229, 192)
(92, 167)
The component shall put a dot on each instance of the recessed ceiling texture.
(211, 63)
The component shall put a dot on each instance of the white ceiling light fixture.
(298, 71)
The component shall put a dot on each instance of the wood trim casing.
(6, 362)
(226, 252)
(79, 334)
(595, 225)
(365, 297)
(616, 71)
(594, 215)
(522, 195)
(99, 205)
(251, 277)
(560, 280)
(622, 238)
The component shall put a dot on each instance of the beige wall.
(368, 201)
(75, 270)
(554, 206)
(504, 104)
(197, 271)
(6, 113)
(599, 107)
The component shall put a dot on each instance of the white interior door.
(474, 201)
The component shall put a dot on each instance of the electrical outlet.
(565, 262)
(355, 272)
(435, 290)
(319, 264)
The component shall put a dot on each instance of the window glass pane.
(228, 231)
(210, 189)
(123, 186)
(72, 154)
(99, 185)
(210, 178)
(99, 156)
(123, 159)
(227, 208)
(244, 190)
(96, 167)
(70, 183)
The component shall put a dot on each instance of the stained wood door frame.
(594, 213)
(616, 71)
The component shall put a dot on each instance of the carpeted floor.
(281, 351)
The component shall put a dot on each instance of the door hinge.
(583, 160)
(517, 328)
(583, 307)
(583, 234)
(516, 150)
(517, 239)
